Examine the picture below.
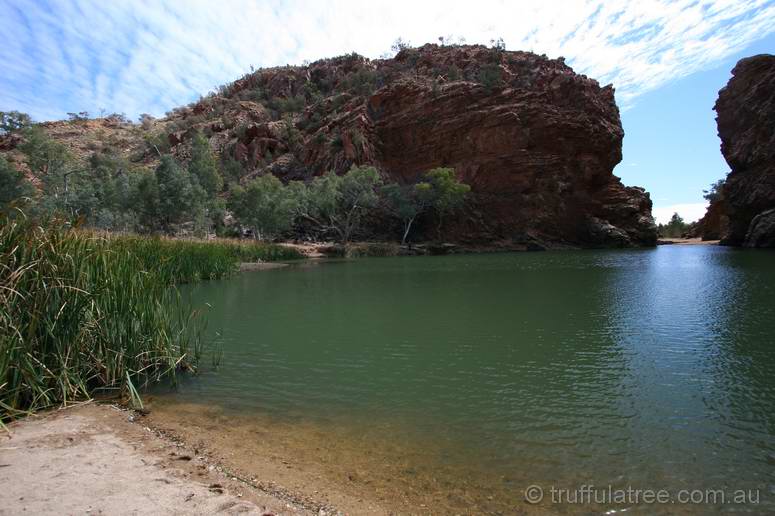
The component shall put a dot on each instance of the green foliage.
(400, 44)
(490, 76)
(64, 188)
(203, 165)
(254, 95)
(715, 192)
(146, 121)
(675, 228)
(81, 116)
(13, 185)
(113, 182)
(291, 135)
(361, 82)
(77, 317)
(44, 155)
(282, 105)
(498, 44)
(265, 206)
(438, 189)
(312, 92)
(146, 201)
(179, 261)
(216, 213)
(109, 192)
(320, 138)
(157, 142)
(337, 143)
(406, 202)
(11, 121)
(232, 170)
(448, 193)
(339, 203)
(453, 73)
(178, 197)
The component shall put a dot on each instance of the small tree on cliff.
(715, 192)
(13, 121)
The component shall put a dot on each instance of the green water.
(649, 368)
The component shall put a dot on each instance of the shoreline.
(125, 466)
(100, 458)
(686, 241)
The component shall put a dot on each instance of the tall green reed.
(80, 315)
(185, 261)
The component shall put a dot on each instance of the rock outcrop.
(714, 224)
(746, 126)
(536, 142)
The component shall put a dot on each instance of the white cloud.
(689, 211)
(150, 56)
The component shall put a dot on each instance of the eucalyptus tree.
(264, 205)
(338, 204)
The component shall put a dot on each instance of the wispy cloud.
(149, 56)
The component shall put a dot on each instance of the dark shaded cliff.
(746, 126)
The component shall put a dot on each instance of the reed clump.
(82, 314)
(186, 261)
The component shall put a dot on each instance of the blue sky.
(667, 59)
(671, 146)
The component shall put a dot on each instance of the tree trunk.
(407, 228)
(438, 228)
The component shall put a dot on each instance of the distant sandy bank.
(686, 241)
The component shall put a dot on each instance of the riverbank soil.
(99, 459)
(687, 241)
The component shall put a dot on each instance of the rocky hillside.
(536, 142)
(746, 111)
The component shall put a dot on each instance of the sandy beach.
(101, 459)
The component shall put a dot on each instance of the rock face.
(746, 126)
(536, 142)
(538, 152)
(714, 224)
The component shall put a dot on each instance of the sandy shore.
(260, 266)
(99, 459)
(687, 241)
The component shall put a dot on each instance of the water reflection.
(645, 368)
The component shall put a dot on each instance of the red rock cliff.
(536, 141)
(746, 126)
